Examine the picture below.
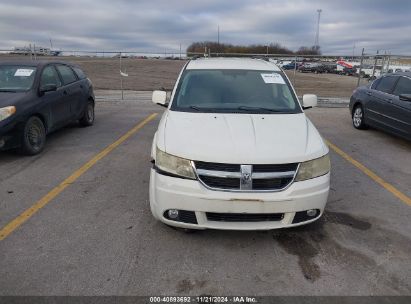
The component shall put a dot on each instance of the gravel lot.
(97, 237)
(150, 74)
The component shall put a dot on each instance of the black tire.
(358, 117)
(33, 137)
(87, 119)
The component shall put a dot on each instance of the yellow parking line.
(404, 198)
(27, 214)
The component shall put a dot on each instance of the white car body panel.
(242, 138)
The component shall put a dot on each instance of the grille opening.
(217, 166)
(275, 168)
(244, 217)
(274, 183)
(234, 183)
(221, 182)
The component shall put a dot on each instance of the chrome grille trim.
(266, 175)
(255, 175)
(225, 174)
(261, 176)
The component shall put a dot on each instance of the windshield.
(16, 78)
(234, 91)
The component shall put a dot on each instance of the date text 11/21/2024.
(203, 299)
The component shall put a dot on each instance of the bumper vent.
(244, 217)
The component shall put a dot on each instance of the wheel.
(87, 118)
(358, 118)
(33, 136)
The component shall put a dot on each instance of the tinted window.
(16, 78)
(67, 74)
(386, 84)
(234, 91)
(375, 83)
(50, 76)
(403, 86)
(79, 73)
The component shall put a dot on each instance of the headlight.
(174, 165)
(6, 112)
(313, 168)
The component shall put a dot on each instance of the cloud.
(148, 26)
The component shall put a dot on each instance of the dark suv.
(38, 97)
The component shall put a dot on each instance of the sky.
(156, 26)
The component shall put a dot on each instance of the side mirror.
(160, 98)
(48, 88)
(309, 101)
(405, 97)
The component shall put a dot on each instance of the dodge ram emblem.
(246, 177)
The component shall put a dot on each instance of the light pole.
(317, 35)
(218, 40)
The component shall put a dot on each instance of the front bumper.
(8, 137)
(190, 195)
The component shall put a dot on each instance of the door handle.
(65, 92)
(388, 99)
(369, 93)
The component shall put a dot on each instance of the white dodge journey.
(234, 150)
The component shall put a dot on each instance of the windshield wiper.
(7, 90)
(246, 108)
(200, 108)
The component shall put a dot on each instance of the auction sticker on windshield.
(273, 78)
(23, 72)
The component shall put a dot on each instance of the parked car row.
(385, 104)
(39, 97)
(311, 67)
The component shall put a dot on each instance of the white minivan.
(234, 150)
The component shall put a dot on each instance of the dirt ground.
(150, 74)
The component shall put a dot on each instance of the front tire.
(358, 118)
(33, 137)
(87, 118)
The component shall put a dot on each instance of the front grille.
(221, 183)
(272, 183)
(244, 217)
(218, 166)
(235, 177)
(275, 168)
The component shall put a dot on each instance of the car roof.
(231, 64)
(408, 74)
(33, 63)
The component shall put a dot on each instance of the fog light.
(173, 214)
(2, 143)
(312, 212)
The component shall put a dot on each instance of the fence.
(140, 71)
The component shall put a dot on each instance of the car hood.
(240, 138)
(10, 98)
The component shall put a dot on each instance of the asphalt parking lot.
(94, 234)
